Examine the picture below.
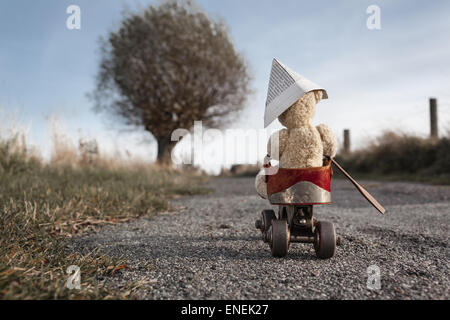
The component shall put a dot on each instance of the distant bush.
(14, 156)
(402, 155)
(241, 170)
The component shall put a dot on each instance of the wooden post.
(433, 119)
(346, 140)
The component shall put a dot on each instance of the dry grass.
(397, 156)
(42, 205)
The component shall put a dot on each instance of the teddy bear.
(300, 144)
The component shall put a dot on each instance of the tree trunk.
(165, 151)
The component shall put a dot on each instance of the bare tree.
(168, 66)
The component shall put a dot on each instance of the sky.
(375, 79)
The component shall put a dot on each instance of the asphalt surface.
(208, 247)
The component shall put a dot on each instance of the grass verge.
(42, 206)
(396, 156)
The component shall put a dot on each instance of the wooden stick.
(363, 191)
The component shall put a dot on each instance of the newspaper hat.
(285, 87)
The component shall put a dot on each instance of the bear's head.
(302, 111)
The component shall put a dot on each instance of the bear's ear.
(318, 94)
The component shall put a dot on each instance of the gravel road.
(208, 247)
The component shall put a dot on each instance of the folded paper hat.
(285, 87)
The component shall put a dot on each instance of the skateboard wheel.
(325, 240)
(280, 238)
(266, 218)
